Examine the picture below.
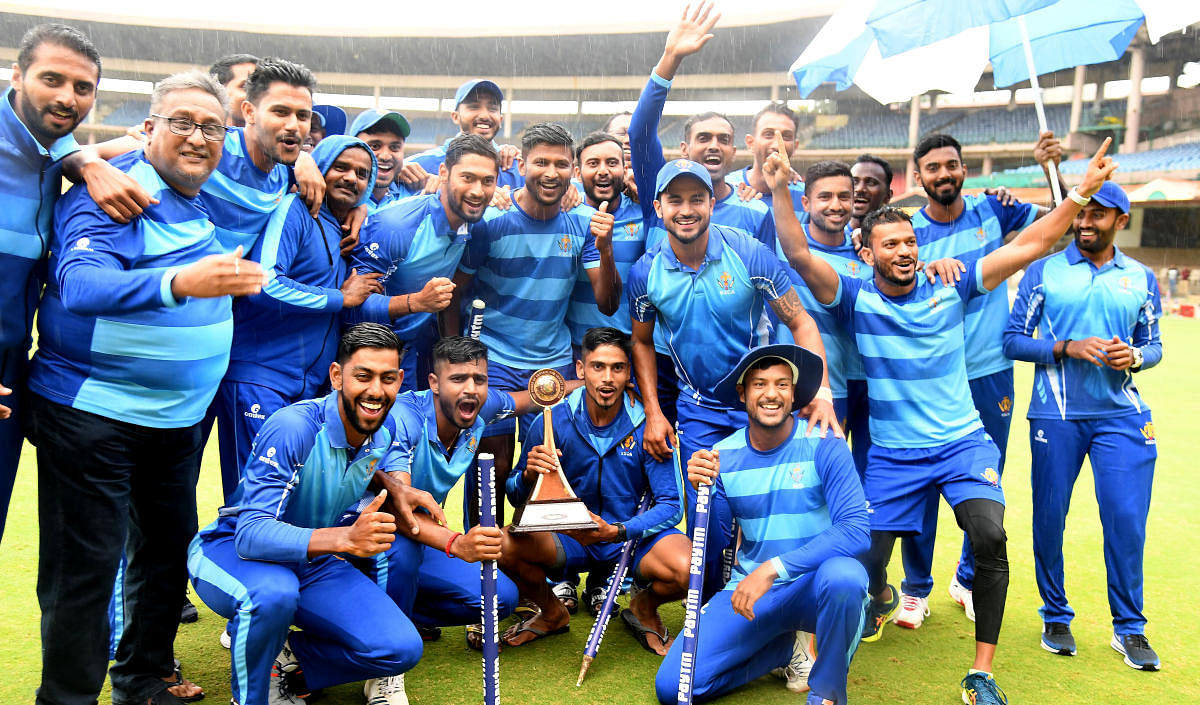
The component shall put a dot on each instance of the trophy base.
(563, 514)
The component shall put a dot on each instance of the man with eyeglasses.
(133, 337)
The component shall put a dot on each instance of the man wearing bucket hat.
(1096, 312)
(803, 515)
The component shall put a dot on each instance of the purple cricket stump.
(691, 618)
(610, 600)
(487, 578)
(476, 319)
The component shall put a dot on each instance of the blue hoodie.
(285, 337)
(607, 467)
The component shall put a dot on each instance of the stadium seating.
(127, 113)
(1179, 157)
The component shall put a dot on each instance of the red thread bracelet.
(451, 543)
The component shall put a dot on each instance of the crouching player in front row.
(803, 518)
(599, 431)
(273, 556)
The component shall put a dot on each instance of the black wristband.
(621, 534)
(1058, 356)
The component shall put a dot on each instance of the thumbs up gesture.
(373, 531)
(602, 227)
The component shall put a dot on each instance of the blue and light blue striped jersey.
(418, 450)
(712, 316)
(978, 230)
(301, 475)
(431, 159)
(285, 336)
(410, 242)
(607, 467)
(741, 177)
(30, 181)
(1064, 296)
(396, 192)
(112, 339)
(841, 354)
(628, 244)
(240, 197)
(913, 353)
(798, 504)
(525, 270)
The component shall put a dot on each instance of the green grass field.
(914, 667)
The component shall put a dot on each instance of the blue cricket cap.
(807, 368)
(331, 117)
(370, 118)
(465, 90)
(680, 167)
(1112, 196)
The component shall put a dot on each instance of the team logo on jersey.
(1148, 433)
(565, 243)
(1125, 283)
(852, 267)
(472, 443)
(627, 445)
(631, 229)
(1005, 405)
(1040, 437)
(725, 282)
(253, 413)
(797, 478)
(934, 301)
(980, 235)
(991, 476)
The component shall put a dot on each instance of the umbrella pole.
(1037, 103)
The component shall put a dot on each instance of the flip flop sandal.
(641, 630)
(519, 627)
(565, 592)
(526, 609)
(179, 680)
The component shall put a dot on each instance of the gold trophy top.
(547, 388)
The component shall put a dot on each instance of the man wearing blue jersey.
(275, 556)
(437, 437)
(285, 337)
(797, 497)
(1096, 313)
(774, 122)
(524, 263)
(385, 133)
(705, 288)
(417, 246)
(134, 335)
(910, 335)
(962, 227)
(598, 433)
(478, 110)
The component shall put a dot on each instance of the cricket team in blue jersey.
(713, 327)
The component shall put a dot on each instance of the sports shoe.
(981, 689)
(226, 637)
(797, 670)
(189, 614)
(565, 592)
(385, 691)
(1057, 638)
(430, 633)
(1137, 652)
(962, 596)
(913, 611)
(287, 679)
(878, 613)
(593, 599)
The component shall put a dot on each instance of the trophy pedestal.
(552, 515)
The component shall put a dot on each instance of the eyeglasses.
(213, 132)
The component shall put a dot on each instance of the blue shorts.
(899, 479)
(576, 558)
(511, 379)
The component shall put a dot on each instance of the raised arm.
(820, 277)
(1037, 239)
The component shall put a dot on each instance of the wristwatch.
(621, 535)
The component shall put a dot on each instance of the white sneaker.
(226, 640)
(913, 611)
(385, 691)
(797, 670)
(962, 596)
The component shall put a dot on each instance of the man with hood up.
(285, 337)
